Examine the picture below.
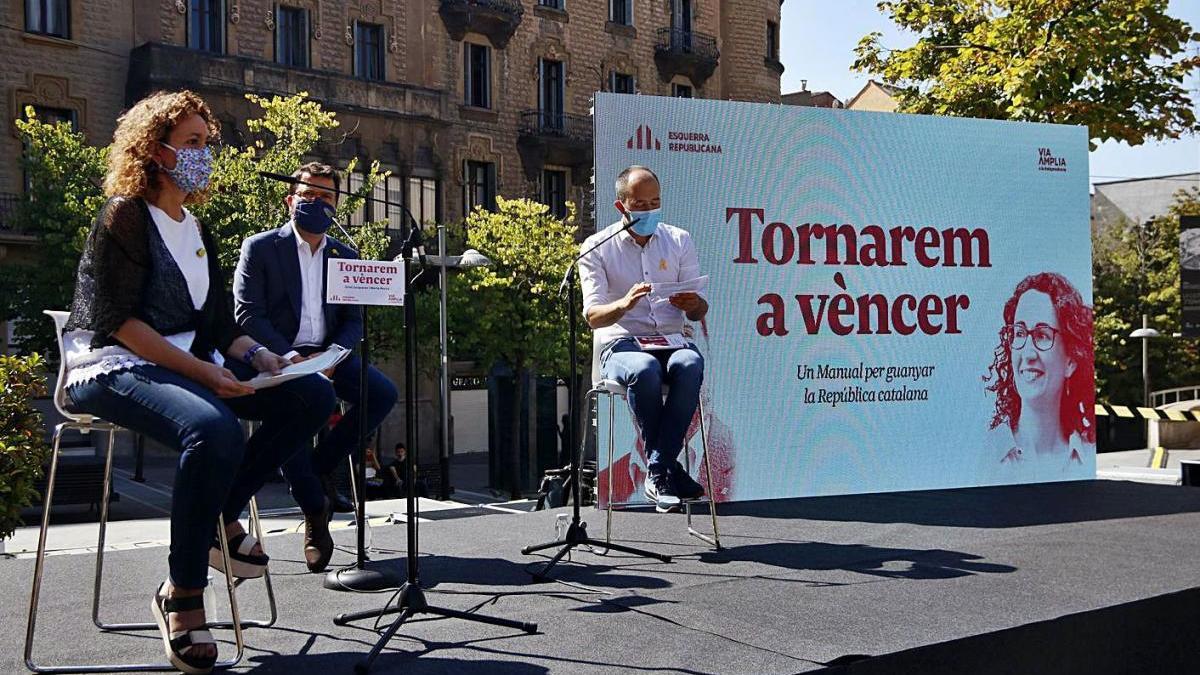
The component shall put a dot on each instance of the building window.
(621, 11)
(291, 37)
(621, 83)
(551, 94)
(48, 17)
(477, 69)
(554, 191)
(481, 186)
(206, 27)
(552, 4)
(681, 90)
(772, 41)
(422, 199)
(368, 51)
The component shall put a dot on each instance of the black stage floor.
(1086, 577)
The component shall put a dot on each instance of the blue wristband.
(249, 356)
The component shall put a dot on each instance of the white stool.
(86, 424)
(614, 390)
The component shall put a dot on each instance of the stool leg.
(612, 404)
(715, 540)
(255, 526)
(104, 500)
(231, 586)
(40, 562)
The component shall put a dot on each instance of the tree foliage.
(511, 312)
(63, 194)
(1115, 66)
(22, 437)
(1136, 271)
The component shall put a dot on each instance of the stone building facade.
(461, 99)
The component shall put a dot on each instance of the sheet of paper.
(319, 362)
(663, 290)
(650, 343)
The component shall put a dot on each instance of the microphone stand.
(577, 532)
(358, 578)
(410, 598)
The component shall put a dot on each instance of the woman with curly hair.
(150, 328)
(1043, 376)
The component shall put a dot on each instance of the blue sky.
(818, 43)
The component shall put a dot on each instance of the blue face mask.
(646, 221)
(314, 216)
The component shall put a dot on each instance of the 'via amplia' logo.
(677, 141)
(1048, 162)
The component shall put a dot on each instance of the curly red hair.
(1076, 409)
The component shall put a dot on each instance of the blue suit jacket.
(267, 292)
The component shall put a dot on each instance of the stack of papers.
(319, 362)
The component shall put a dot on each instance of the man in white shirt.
(279, 290)
(616, 279)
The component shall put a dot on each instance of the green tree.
(511, 312)
(1136, 271)
(1115, 66)
(22, 438)
(63, 194)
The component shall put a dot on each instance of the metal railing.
(683, 42)
(552, 123)
(1178, 394)
(513, 7)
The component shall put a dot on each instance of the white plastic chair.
(614, 390)
(86, 424)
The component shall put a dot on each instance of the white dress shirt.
(312, 302)
(608, 273)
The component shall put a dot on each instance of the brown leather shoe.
(318, 543)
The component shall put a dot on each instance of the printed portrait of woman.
(1042, 376)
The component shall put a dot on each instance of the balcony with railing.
(551, 137)
(679, 51)
(497, 19)
(156, 66)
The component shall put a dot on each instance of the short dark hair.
(316, 169)
(622, 184)
(399, 444)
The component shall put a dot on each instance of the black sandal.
(245, 564)
(179, 644)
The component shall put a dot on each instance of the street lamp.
(1145, 334)
(444, 263)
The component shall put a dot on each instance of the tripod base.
(361, 579)
(577, 536)
(411, 603)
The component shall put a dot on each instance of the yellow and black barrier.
(1138, 412)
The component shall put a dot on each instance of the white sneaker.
(659, 490)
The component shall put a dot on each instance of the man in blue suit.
(279, 290)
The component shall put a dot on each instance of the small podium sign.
(364, 282)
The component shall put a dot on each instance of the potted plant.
(23, 448)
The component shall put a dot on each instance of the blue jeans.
(219, 470)
(302, 471)
(663, 423)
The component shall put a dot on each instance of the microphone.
(279, 177)
(562, 287)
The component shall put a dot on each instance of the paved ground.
(803, 584)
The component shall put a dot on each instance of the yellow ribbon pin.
(662, 264)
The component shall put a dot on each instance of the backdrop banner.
(897, 302)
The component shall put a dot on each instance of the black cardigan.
(126, 272)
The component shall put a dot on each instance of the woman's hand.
(221, 381)
(267, 361)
